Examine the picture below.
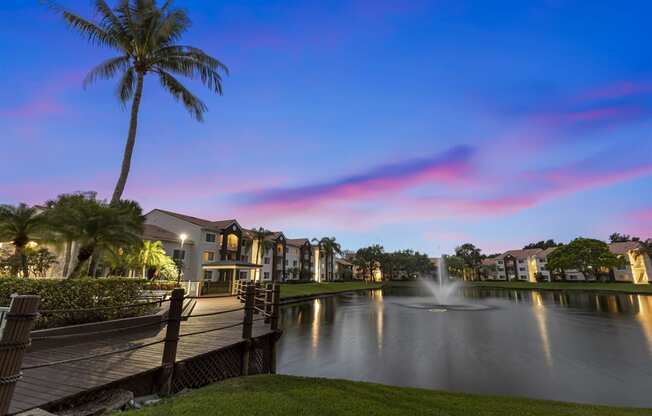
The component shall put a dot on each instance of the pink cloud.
(617, 90)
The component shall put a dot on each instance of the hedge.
(81, 293)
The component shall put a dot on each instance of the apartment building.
(224, 251)
(531, 265)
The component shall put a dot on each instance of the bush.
(82, 293)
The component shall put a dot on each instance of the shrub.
(82, 293)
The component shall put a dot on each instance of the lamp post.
(183, 238)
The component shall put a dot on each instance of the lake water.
(573, 346)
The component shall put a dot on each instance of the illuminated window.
(208, 256)
(232, 242)
(279, 248)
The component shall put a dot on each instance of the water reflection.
(573, 346)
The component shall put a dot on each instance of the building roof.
(488, 262)
(153, 232)
(546, 252)
(624, 247)
(208, 224)
(519, 254)
(297, 242)
(344, 262)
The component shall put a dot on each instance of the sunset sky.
(415, 124)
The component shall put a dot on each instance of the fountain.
(445, 293)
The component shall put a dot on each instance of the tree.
(40, 260)
(621, 238)
(471, 256)
(260, 236)
(368, 260)
(101, 226)
(20, 225)
(329, 247)
(152, 256)
(60, 214)
(589, 256)
(542, 244)
(145, 36)
(455, 265)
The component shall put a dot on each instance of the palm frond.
(179, 92)
(126, 86)
(90, 30)
(107, 69)
(172, 27)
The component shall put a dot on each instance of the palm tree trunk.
(23, 261)
(66, 260)
(131, 140)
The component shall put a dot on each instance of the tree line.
(589, 256)
(107, 236)
(401, 264)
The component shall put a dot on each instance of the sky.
(415, 124)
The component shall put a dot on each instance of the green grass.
(307, 289)
(606, 287)
(286, 395)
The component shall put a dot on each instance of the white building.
(223, 251)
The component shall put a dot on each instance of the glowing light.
(540, 316)
(314, 330)
(183, 238)
(31, 244)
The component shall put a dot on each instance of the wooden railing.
(260, 303)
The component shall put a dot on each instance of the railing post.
(247, 326)
(171, 341)
(15, 339)
(276, 299)
(269, 300)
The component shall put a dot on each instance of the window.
(266, 275)
(499, 261)
(243, 275)
(572, 276)
(521, 261)
(208, 256)
(232, 242)
(210, 237)
(287, 262)
(266, 260)
(244, 258)
(208, 275)
(179, 254)
(543, 268)
(279, 248)
(521, 269)
(294, 263)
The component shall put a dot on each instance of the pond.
(571, 346)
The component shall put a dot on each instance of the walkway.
(46, 385)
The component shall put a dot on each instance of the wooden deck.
(45, 386)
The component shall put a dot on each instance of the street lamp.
(183, 238)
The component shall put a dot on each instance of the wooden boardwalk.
(45, 386)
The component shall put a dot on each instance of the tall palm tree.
(329, 247)
(260, 236)
(145, 35)
(20, 225)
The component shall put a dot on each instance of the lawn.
(286, 395)
(606, 287)
(307, 289)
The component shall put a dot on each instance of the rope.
(89, 357)
(11, 379)
(210, 330)
(102, 308)
(105, 331)
(214, 313)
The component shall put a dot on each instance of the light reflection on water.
(573, 346)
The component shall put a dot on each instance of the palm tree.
(20, 225)
(260, 236)
(145, 36)
(101, 226)
(60, 216)
(329, 247)
(152, 255)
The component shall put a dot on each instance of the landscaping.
(314, 289)
(288, 395)
(602, 287)
(85, 293)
